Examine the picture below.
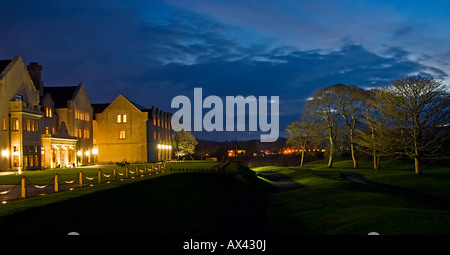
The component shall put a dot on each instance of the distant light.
(87, 153)
(95, 151)
(4, 202)
(79, 153)
(159, 146)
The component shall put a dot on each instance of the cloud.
(154, 51)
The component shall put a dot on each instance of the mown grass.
(330, 205)
(42, 177)
(173, 203)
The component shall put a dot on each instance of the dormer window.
(19, 97)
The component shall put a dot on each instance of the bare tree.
(300, 135)
(348, 101)
(322, 106)
(373, 136)
(417, 107)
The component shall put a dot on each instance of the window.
(19, 97)
(48, 112)
(79, 132)
(121, 118)
(122, 134)
(46, 130)
(15, 124)
(4, 123)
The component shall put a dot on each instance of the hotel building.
(128, 132)
(57, 126)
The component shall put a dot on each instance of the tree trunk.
(375, 161)
(301, 160)
(417, 166)
(330, 161)
(355, 161)
(352, 148)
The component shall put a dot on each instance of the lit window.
(15, 124)
(48, 112)
(124, 118)
(122, 134)
(119, 118)
(4, 123)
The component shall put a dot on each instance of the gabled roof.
(6, 64)
(99, 108)
(138, 106)
(61, 94)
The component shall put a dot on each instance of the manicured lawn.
(188, 203)
(42, 177)
(173, 203)
(330, 205)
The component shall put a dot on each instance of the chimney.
(34, 69)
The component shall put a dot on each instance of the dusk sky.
(151, 51)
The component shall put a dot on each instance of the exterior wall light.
(5, 153)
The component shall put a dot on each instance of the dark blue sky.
(152, 51)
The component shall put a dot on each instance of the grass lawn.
(42, 177)
(329, 205)
(173, 203)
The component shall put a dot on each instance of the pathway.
(398, 190)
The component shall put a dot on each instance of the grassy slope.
(329, 205)
(178, 203)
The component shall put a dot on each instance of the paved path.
(281, 181)
(398, 190)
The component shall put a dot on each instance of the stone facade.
(55, 126)
(128, 132)
(20, 114)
